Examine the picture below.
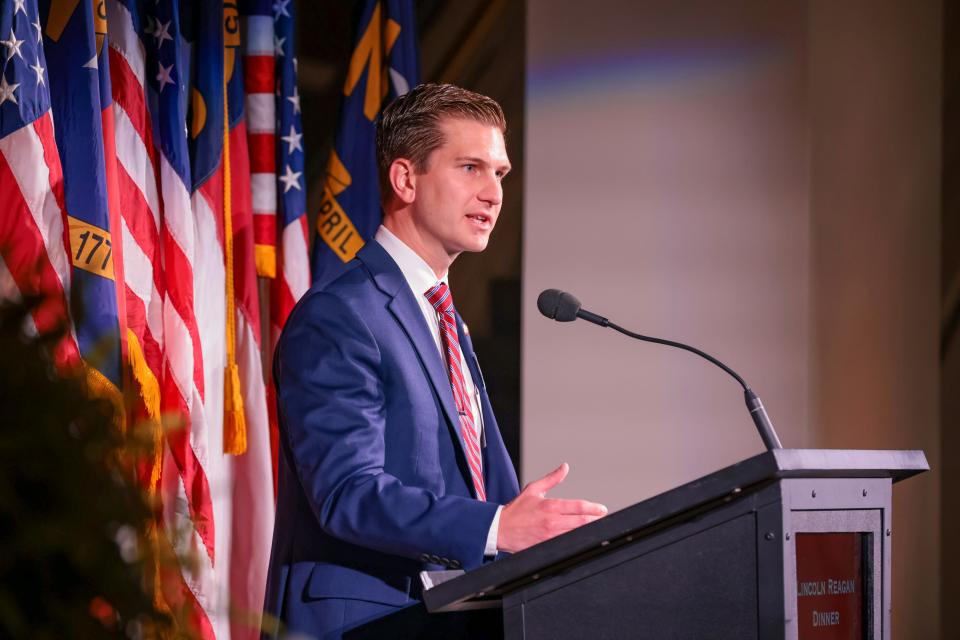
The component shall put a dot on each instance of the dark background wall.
(950, 318)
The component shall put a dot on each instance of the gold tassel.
(150, 393)
(101, 387)
(146, 381)
(266, 259)
(234, 424)
(234, 421)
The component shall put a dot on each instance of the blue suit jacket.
(373, 483)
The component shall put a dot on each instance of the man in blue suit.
(391, 460)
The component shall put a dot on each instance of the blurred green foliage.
(74, 561)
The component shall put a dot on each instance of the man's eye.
(470, 167)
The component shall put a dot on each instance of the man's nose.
(492, 191)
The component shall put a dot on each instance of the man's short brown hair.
(409, 127)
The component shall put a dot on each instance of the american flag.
(137, 170)
(293, 267)
(252, 493)
(34, 249)
(260, 80)
(150, 90)
(294, 276)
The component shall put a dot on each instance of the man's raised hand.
(532, 517)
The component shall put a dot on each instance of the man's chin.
(474, 246)
(478, 245)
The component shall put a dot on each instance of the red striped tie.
(439, 297)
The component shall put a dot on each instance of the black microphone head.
(558, 305)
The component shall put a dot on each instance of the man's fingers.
(564, 524)
(549, 481)
(574, 507)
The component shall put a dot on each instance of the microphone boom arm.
(563, 307)
(680, 345)
(757, 413)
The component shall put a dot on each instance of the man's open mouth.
(480, 218)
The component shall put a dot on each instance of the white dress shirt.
(421, 279)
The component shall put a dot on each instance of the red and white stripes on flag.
(261, 121)
(175, 284)
(206, 436)
(34, 256)
(137, 178)
(294, 277)
(286, 289)
(160, 248)
(293, 266)
(252, 494)
(215, 511)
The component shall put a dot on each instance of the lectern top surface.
(847, 463)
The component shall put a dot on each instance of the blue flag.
(384, 65)
(73, 55)
(202, 29)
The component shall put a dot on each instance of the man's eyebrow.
(476, 160)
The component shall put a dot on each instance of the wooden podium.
(791, 543)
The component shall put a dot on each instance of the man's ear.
(403, 180)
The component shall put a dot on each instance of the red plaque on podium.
(830, 596)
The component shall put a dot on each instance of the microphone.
(564, 307)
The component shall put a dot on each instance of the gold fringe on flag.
(234, 422)
(266, 260)
(101, 387)
(150, 393)
(147, 382)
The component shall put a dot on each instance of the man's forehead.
(464, 136)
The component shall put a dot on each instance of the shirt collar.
(415, 269)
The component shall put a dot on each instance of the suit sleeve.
(331, 399)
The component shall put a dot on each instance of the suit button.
(435, 559)
(424, 557)
(445, 561)
(454, 564)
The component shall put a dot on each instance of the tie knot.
(439, 296)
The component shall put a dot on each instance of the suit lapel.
(466, 345)
(473, 365)
(406, 310)
(498, 472)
